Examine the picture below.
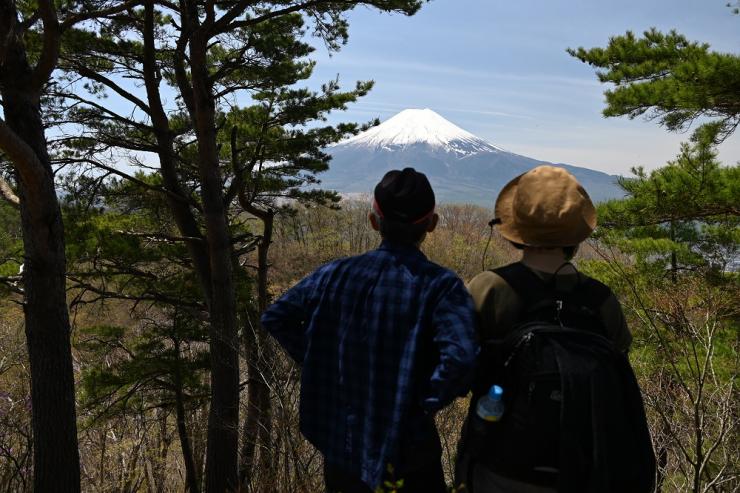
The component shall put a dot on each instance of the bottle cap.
(495, 392)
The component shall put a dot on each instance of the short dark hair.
(404, 233)
(569, 251)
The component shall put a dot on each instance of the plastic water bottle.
(491, 406)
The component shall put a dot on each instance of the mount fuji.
(461, 167)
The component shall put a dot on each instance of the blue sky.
(499, 70)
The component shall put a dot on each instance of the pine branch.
(95, 76)
(234, 12)
(105, 294)
(221, 27)
(95, 14)
(111, 115)
(30, 21)
(135, 180)
(667, 218)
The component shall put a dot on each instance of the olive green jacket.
(498, 307)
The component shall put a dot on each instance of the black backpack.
(574, 418)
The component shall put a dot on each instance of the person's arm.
(453, 321)
(497, 307)
(286, 318)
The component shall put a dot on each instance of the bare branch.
(6, 192)
(22, 155)
(12, 283)
(159, 236)
(50, 51)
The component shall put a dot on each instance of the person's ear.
(373, 221)
(433, 222)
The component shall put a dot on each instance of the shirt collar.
(401, 248)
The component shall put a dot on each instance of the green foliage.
(122, 243)
(670, 250)
(162, 354)
(277, 155)
(11, 241)
(164, 361)
(685, 212)
(271, 147)
(667, 77)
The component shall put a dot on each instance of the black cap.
(404, 196)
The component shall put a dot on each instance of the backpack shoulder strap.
(593, 293)
(525, 283)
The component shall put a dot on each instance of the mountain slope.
(460, 166)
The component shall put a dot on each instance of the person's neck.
(545, 260)
(402, 245)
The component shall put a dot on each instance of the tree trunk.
(674, 258)
(181, 211)
(191, 474)
(56, 457)
(223, 419)
(258, 399)
(258, 422)
(265, 361)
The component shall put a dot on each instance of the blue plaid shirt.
(385, 339)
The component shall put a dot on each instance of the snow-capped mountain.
(411, 127)
(460, 166)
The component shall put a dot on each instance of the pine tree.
(682, 216)
(671, 246)
(207, 54)
(670, 250)
(668, 78)
(161, 367)
(123, 247)
(31, 35)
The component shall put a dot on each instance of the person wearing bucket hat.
(545, 213)
(385, 339)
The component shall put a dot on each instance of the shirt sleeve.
(454, 326)
(286, 319)
(496, 305)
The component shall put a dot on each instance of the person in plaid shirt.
(385, 339)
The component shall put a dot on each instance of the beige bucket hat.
(545, 207)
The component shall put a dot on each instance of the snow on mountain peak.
(417, 126)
